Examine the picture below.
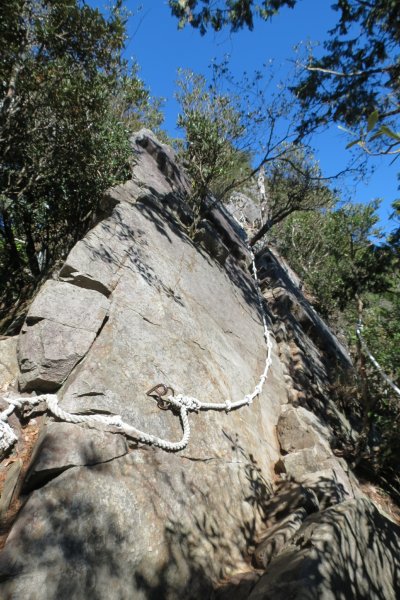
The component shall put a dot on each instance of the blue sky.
(159, 48)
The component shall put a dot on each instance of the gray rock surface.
(60, 327)
(157, 171)
(245, 209)
(11, 476)
(64, 445)
(144, 525)
(349, 551)
(138, 303)
(278, 537)
(148, 520)
(300, 429)
(8, 362)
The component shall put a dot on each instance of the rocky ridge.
(257, 505)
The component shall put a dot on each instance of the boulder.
(347, 551)
(156, 169)
(65, 445)
(300, 429)
(99, 522)
(60, 327)
(138, 303)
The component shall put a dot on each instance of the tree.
(339, 262)
(294, 183)
(65, 97)
(394, 238)
(356, 80)
(233, 13)
(351, 278)
(225, 123)
(215, 147)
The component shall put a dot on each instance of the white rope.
(374, 361)
(184, 403)
(248, 399)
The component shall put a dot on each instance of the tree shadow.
(119, 241)
(48, 549)
(217, 537)
(350, 551)
(172, 212)
(84, 534)
(74, 535)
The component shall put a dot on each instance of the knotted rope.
(184, 404)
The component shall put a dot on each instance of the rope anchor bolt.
(158, 392)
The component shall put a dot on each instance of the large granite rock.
(62, 446)
(349, 551)
(8, 362)
(299, 428)
(137, 303)
(60, 327)
(105, 524)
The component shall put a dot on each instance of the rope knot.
(187, 401)
(228, 405)
(115, 421)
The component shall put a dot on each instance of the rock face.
(138, 303)
(336, 555)
(8, 362)
(141, 304)
(61, 325)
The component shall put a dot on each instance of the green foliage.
(382, 329)
(201, 14)
(338, 261)
(67, 106)
(350, 276)
(356, 81)
(214, 131)
(394, 238)
(227, 121)
(133, 106)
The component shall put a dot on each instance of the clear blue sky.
(159, 48)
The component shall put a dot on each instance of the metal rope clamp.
(158, 392)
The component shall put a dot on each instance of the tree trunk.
(30, 246)
(15, 263)
(368, 403)
(261, 232)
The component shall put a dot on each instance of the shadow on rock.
(214, 533)
(349, 552)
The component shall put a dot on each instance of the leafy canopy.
(214, 149)
(67, 103)
(233, 13)
(356, 81)
(353, 81)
